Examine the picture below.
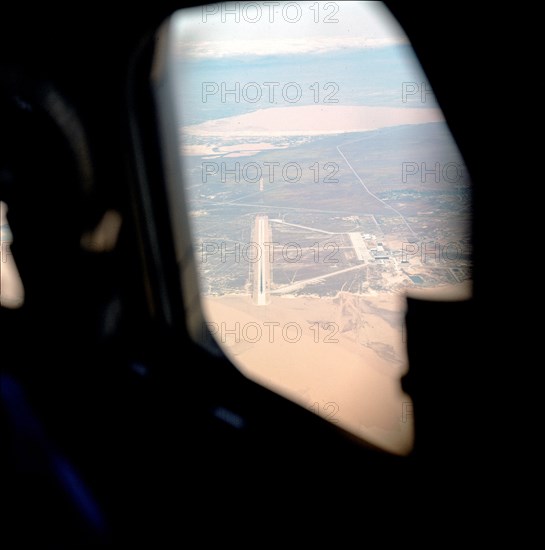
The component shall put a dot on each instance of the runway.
(262, 266)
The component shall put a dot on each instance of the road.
(304, 282)
(374, 196)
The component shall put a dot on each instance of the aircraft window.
(322, 186)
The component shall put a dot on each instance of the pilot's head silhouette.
(44, 181)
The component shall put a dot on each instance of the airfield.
(304, 269)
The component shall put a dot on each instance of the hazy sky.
(266, 28)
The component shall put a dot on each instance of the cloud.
(353, 25)
(290, 46)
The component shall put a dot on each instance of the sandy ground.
(344, 375)
(313, 120)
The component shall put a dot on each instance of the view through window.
(322, 186)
